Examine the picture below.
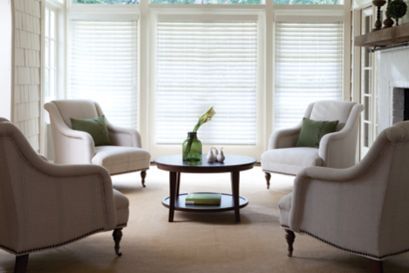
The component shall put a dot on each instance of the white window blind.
(202, 64)
(308, 67)
(103, 67)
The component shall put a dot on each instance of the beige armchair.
(76, 147)
(362, 209)
(44, 205)
(336, 150)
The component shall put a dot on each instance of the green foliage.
(396, 9)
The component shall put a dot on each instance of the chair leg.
(378, 266)
(290, 237)
(268, 176)
(117, 235)
(21, 264)
(143, 175)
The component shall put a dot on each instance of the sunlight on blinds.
(308, 67)
(103, 67)
(202, 64)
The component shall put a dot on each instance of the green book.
(203, 199)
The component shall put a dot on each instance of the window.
(308, 2)
(158, 65)
(104, 1)
(308, 67)
(202, 64)
(254, 2)
(103, 67)
(50, 84)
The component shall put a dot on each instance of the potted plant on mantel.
(396, 9)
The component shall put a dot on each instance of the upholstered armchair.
(336, 150)
(77, 147)
(44, 205)
(361, 209)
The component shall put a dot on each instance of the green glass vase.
(192, 148)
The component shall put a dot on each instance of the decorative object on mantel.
(396, 9)
(378, 4)
(192, 147)
(388, 22)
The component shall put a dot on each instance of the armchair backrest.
(392, 156)
(15, 153)
(330, 110)
(78, 109)
(43, 205)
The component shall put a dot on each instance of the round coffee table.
(175, 165)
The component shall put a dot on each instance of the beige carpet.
(200, 243)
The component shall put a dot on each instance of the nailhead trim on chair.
(59, 244)
(65, 242)
(370, 256)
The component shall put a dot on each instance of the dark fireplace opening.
(406, 104)
(400, 104)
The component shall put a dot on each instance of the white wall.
(5, 58)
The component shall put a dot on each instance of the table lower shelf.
(225, 205)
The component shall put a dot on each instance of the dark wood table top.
(174, 163)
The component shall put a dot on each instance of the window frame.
(58, 7)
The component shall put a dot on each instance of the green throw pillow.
(312, 131)
(96, 127)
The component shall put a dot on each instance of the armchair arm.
(342, 206)
(124, 137)
(338, 149)
(70, 146)
(284, 138)
(53, 204)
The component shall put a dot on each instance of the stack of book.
(203, 199)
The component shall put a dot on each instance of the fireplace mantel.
(385, 38)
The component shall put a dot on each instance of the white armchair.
(44, 205)
(336, 150)
(76, 147)
(361, 209)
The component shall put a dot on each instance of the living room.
(204, 135)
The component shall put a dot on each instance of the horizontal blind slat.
(308, 67)
(103, 67)
(202, 64)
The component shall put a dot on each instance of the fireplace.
(400, 104)
(392, 84)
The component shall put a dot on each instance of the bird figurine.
(220, 156)
(212, 155)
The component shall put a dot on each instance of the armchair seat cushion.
(285, 206)
(290, 160)
(120, 159)
(122, 208)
